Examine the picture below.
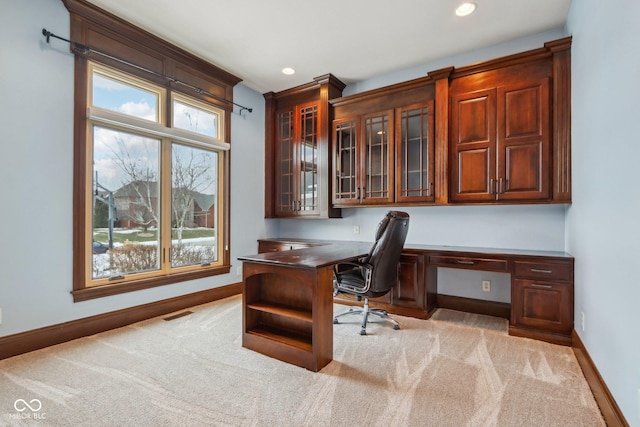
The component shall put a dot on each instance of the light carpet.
(456, 369)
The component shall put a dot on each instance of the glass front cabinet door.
(363, 148)
(297, 161)
(415, 153)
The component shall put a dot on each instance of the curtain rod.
(86, 50)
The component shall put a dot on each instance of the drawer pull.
(535, 285)
(459, 261)
(538, 270)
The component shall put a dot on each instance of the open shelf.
(289, 338)
(281, 310)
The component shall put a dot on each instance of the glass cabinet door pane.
(345, 145)
(308, 155)
(415, 162)
(376, 157)
(284, 162)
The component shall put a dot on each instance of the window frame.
(84, 286)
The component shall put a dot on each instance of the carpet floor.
(456, 369)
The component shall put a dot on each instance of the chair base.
(366, 311)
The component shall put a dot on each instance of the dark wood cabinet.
(384, 147)
(509, 128)
(410, 290)
(500, 145)
(287, 312)
(363, 159)
(542, 299)
(415, 153)
(297, 160)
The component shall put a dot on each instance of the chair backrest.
(385, 252)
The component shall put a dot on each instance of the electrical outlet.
(0, 316)
(239, 271)
(582, 320)
(356, 229)
(486, 285)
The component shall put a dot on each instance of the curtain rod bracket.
(86, 50)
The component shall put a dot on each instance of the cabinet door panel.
(415, 147)
(523, 141)
(473, 133)
(377, 168)
(474, 174)
(523, 169)
(542, 305)
(345, 145)
(284, 166)
(410, 290)
(308, 160)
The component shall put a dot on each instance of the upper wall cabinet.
(509, 129)
(500, 143)
(493, 132)
(383, 146)
(297, 161)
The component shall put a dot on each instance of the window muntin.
(155, 197)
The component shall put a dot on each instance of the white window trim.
(124, 121)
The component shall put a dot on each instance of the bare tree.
(192, 171)
(191, 174)
(142, 179)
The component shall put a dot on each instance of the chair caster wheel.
(396, 327)
(363, 332)
(335, 321)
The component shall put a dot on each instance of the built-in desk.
(541, 305)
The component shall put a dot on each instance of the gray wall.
(602, 226)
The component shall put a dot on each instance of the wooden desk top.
(318, 256)
(364, 248)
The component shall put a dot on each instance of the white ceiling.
(352, 39)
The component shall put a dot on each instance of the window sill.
(115, 289)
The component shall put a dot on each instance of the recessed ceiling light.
(465, 9)
(288, 71)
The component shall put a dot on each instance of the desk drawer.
(486, 264)
(544, 270)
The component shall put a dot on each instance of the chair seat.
(353, 278)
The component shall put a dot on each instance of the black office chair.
(374, 275)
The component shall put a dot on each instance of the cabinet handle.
(357, 193)
(535, 285)
(492, 186)
(538, 270)
(362, 193)
(459, 261)
(299, 205)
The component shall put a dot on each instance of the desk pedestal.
(288, 313)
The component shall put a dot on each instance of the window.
(154, 199)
